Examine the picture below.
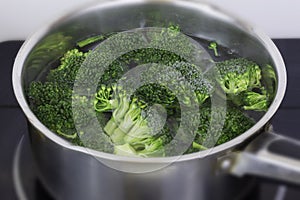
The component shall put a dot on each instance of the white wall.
(278, 18)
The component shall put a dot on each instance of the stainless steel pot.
(71, 172)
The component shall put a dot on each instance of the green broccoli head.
(184, 73)
(202, 86)
(66, 72)
(236, 123)
(155, 93)
(238, 75)
(51, 102)
(48, 93)
(252, 100)
(103, 99)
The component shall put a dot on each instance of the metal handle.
(269, 155)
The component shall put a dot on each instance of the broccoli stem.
(90, 40)
(73, 136)
(130, 118)
(199, 146)
(118, 137)
(138, 132)
(259, 106)
(121, 110)
(124, 150)
(214, 46)
(152, 148)
(110, 127)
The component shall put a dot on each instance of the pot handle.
(270, 156)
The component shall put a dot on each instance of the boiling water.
(224, 54)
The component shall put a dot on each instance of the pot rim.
(262, 37)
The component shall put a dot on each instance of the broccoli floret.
(133, 129)
(252, 100)
(66, 72)
(124, 116)
(184, 73)
(51, 104)
(103, 99)
(241, 80)
(47, 93)
(130, 132)
(209, 135)
(255, 101)
(238, 75)
(202, 86)
(112, 99)
(52, 100)
(236, 123)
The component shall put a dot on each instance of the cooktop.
(18, 179)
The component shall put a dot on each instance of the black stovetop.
(14, 125)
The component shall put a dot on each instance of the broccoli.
(50, 103)
(152, 147)
(103, 99)
(202, 86)
(238, 75)
(159, 93)
(132, 114)
(129, 130)
(66, 72)
(236, 123)
(241, 79)
(156, 93)
(252, 100)
(214, 46)
(91, 40)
